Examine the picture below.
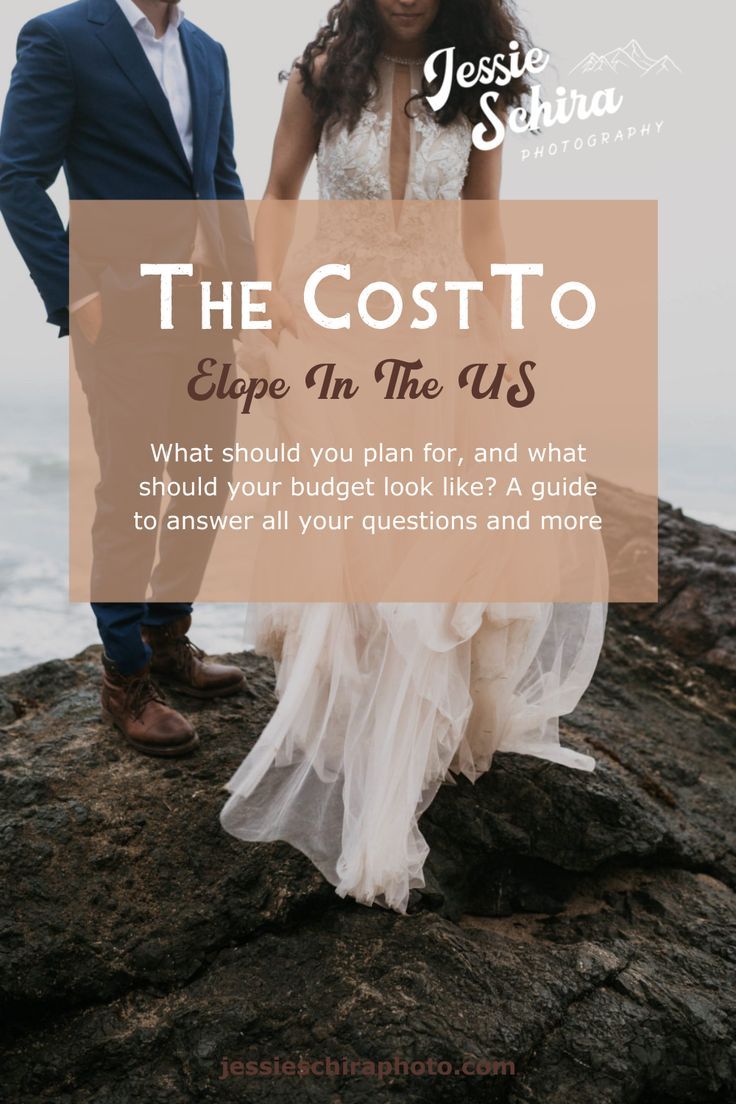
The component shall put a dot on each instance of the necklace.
(403, 61)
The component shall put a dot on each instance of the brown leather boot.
(178, 664)
(135, 705)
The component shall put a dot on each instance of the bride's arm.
(483, 240)
(295, 144)
(293, 150)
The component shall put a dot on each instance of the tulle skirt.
(379, 704)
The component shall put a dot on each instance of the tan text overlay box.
(462, 405)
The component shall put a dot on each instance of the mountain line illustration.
(632, 58)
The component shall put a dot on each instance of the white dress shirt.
(167, 61)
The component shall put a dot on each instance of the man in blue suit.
(133, 102)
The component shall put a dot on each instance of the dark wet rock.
(696, 614)
(7, 711)
(588, 934)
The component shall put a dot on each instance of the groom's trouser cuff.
(119, 626)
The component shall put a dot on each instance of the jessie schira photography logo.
(543, 112)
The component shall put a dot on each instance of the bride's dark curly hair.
(347, 48)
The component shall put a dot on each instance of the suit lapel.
(199, 86)
(120, 39)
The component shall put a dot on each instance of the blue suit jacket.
(83, 96)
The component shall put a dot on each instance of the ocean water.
(39, 623)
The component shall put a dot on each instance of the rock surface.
(588, 936)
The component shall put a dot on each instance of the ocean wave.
(28, 470)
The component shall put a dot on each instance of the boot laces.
(186, 652)
(140, 693)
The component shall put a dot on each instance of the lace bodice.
(356, 164)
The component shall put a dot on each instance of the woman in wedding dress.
(381, 704)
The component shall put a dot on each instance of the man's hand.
(89, 319)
